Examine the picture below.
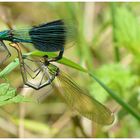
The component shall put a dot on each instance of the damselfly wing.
(47, 37)
(75, 97)
(80, 101)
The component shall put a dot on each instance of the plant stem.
(116, 47)
(125, 105)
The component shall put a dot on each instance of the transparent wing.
(81, 102)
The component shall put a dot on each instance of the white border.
(69, 0)
(70, 138)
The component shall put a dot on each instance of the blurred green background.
(107, 43)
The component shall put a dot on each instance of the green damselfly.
(74, 96)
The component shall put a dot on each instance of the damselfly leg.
(35, 71)
(41, 73)
(60, 55)
(4, 52)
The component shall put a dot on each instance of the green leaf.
(64, 60)
(72, 64)
(126, 30)
(3, 88)
(40, 53)
(8, 95)
(9, 68)
(124, 85)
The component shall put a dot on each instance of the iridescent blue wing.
(49, 37)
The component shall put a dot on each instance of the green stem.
(116, 47)
(117, 98)
(72, 64)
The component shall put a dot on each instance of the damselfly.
(51, 37)
(75, 97)
(47, 37)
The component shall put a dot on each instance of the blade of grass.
(125, 105)
(116, 48)
(64, 60)
(74, 65)
(9, 68)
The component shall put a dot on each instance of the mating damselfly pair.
(52, 37)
